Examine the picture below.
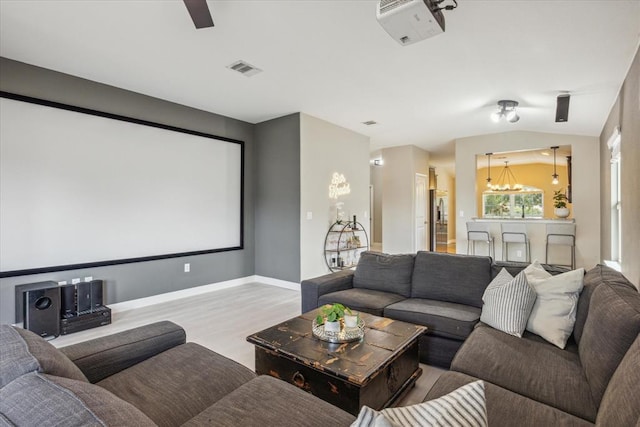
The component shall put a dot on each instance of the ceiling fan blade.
(199, 12)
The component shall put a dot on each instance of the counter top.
(531, 220)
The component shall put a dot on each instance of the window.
(616, 223)
(512, 204)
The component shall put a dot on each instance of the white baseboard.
(198, 290)
(277, 282)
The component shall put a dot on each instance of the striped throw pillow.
(464, 407)
(508, 302)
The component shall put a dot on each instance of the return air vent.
(244, 68)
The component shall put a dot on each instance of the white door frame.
(421, 238)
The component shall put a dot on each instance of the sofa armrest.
(313, 289)
(105, 356)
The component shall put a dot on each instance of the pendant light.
(554, 181)
(489, 170)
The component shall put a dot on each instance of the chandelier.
(506, 180)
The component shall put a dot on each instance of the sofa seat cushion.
(383, 272)
(178, 384)
(530, 367)
(36, 399)
(447, 277)
(267, 401)
(506, 408)
(22, 351)
(358, 299)
(444, 319)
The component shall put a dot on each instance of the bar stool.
(561, 234)
(479, 232)
(514, 233)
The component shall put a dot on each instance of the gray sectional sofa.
(528, 381)
(144, 377)
(595, 379)
(437, 290)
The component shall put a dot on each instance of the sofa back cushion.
(613, 323)
(22, 351)
(15, 358)
(36, 399)
(454, 278)
(620, 404)
(382, 272)
(596, 276)
(514, 268)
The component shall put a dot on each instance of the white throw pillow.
(507, 303)
(554, 312)
(465, 406)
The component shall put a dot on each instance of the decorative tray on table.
(345, 334)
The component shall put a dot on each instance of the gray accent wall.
(624, 114)
(136, 280)
(277, 198)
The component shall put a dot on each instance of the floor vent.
(244, 68)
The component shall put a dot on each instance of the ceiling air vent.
(370, 122)
(387, 5)
(244, 68)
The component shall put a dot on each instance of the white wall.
(325, 149)
(585, 183)
(398, 208)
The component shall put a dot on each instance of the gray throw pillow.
(508, 302)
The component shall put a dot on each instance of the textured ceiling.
(332, 60)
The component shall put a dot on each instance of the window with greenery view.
(511, 204)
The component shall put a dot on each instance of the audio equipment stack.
(49, 309)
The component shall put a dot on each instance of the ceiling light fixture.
(489, 170)
(554, 181)
(506, 109)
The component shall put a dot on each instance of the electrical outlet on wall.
(519, 254)
(187, 267)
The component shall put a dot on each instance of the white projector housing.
(409, 21)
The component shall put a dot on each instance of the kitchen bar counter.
(532, 220)
(537, 233)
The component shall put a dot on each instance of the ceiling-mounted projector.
(409, 21)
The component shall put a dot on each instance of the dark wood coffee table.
(375, 371)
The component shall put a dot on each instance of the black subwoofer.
(42, 311)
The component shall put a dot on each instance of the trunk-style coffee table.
(375, 371)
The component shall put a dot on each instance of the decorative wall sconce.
(554, 181)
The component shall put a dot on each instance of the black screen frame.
(89, 111)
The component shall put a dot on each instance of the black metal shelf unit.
(343, 244)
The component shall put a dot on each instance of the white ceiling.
(332, 60)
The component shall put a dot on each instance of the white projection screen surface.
(82, 190)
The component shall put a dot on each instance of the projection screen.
(80, 188)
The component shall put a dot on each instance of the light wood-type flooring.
(222, 319)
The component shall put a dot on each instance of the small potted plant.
(331, 317)
(560, 204)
